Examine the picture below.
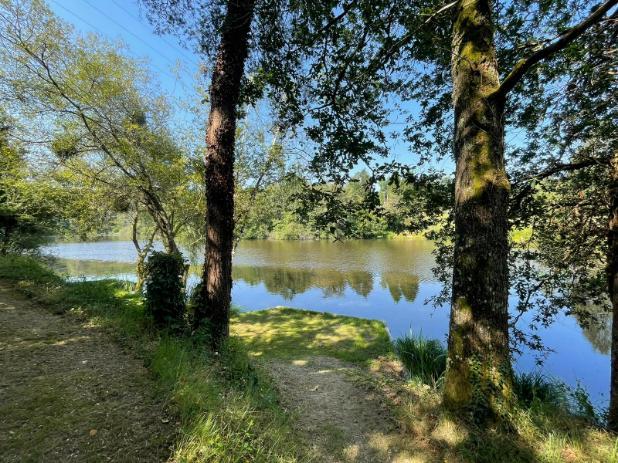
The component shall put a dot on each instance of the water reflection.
(599, 333)
(290, 282)
(286, 282)
(92, 268)
(400, 285)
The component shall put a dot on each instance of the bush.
(165, 298)
(425, 359)
(196, 299)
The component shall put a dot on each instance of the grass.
(425, 362)
(535, 388)
(424, 359)
(297, 334)
(551, 423)
(227, 408)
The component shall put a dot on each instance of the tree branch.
(562, 41)
(553, 170)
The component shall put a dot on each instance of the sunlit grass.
(296, 334)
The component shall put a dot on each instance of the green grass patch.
(228, 409)
(298, 334)
(27, 270)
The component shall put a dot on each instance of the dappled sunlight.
(293, 333)
(351, 452)
(446, 431)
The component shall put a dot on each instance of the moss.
(478, 379)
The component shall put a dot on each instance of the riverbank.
(287, 370)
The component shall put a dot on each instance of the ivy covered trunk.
(479, 376)
(140, 271)
(612, 280)
(219, 163)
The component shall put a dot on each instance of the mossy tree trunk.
(220, 141)
(479, 375)
(612, 280)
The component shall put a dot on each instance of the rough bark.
(219, 164)
(479, 375)
(612, 280)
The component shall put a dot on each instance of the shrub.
(196, 299)
(425, 359)
(165, 298)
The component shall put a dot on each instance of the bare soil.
(70, 393)
(341, 420)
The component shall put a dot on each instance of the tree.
(232, 51)
(30, 206)
(479, 357)
(96, 110)
(259, 167)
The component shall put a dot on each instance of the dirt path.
(69, 393)
(342, 421)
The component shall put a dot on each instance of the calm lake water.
(378, 279)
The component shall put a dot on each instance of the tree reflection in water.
(289, 282)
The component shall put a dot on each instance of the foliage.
(165, 299)
(562, 177)
(97, 112)
(30, 207)
(425, 359)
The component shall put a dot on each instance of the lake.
(388, 280)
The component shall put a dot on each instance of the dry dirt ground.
(69, 393)
(339, 418)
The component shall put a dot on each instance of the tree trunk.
(219, 163)
(479, 375)
(169, 243)
(140, 271)
(612, 280)
(142, 253)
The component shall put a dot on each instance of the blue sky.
(174, 67)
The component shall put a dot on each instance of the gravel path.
(339, 419)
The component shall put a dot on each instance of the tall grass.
(425, 359)
(536, 388)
